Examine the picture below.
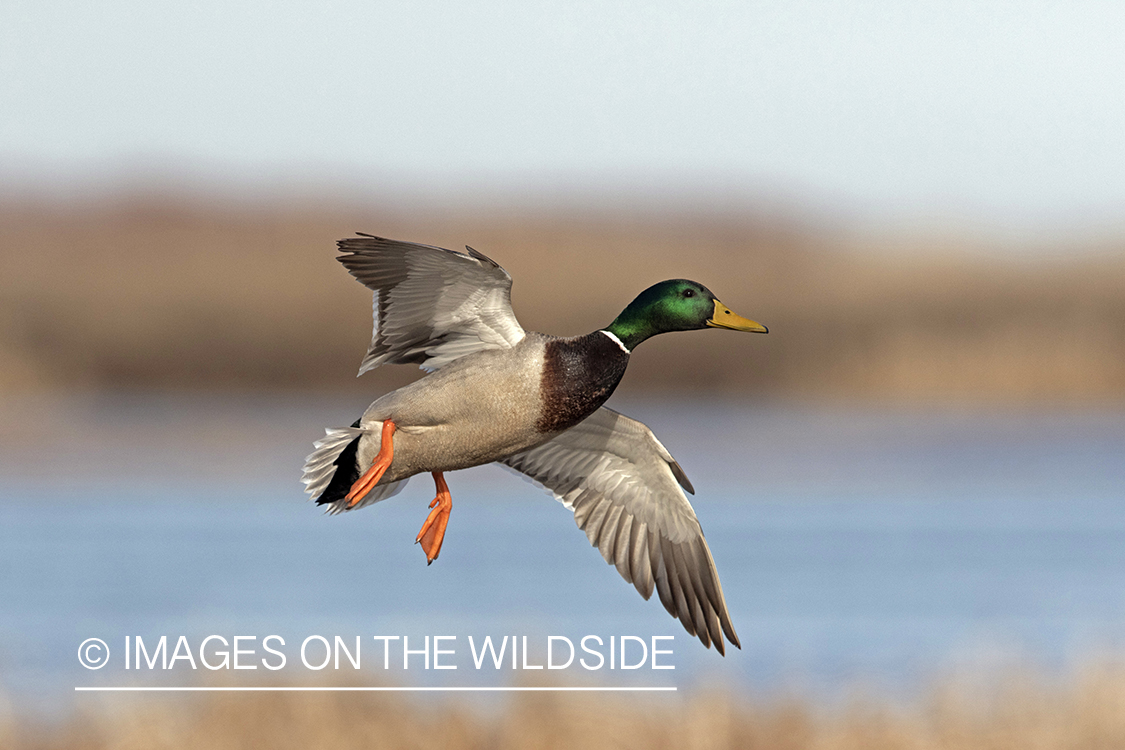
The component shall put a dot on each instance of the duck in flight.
(531, 402)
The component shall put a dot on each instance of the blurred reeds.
(166, 292)
(1018, 712)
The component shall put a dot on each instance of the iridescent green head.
(675, 305)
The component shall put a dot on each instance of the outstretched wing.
(431, 305)
(625, 490)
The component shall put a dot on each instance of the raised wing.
(430, 305)
(624, 489)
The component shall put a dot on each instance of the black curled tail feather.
(332, 469)
(345, 475)
(322, 465)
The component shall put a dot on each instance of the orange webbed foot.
(379, 466)
(433, 530)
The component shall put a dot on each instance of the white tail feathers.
(320, 467)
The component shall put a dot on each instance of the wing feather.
(627, 494)
(430, 305)
(642, 571)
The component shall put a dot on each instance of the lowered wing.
(625, 490)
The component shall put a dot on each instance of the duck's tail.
(332, 469)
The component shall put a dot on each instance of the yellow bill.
(724, 318)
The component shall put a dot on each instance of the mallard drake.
(531, 402)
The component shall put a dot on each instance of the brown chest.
(579, 374)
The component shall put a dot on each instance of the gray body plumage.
(477, 409)
(529, 401)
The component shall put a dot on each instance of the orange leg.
(382, 461)
(433, 530)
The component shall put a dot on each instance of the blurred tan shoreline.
(165, 292)
(1015, 710)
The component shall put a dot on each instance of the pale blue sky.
(997, 111)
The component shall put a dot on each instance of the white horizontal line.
(375, 689)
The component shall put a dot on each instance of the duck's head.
(676, 305)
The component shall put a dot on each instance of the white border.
(374, 689)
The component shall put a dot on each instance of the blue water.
(887, 547)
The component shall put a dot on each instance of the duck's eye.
(689, 292)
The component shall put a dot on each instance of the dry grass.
(1021, 713)
(171, 293)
